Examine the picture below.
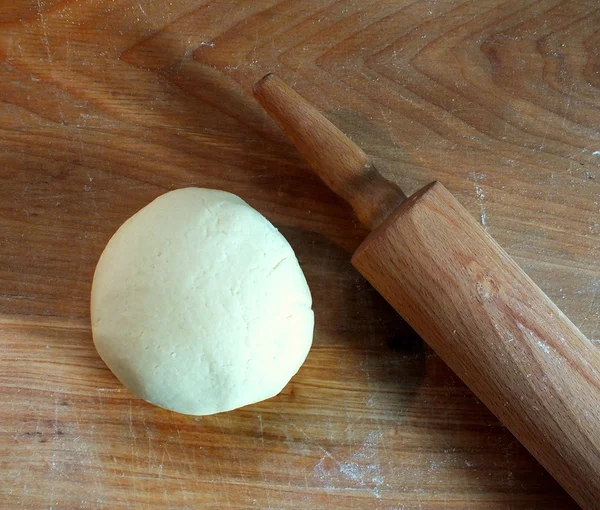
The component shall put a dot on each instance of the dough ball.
(199, 305)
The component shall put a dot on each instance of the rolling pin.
(464, 295)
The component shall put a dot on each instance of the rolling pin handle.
(340, 163)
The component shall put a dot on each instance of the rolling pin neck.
(373, 197)
(340, 163)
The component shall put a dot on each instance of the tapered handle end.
(340, 163)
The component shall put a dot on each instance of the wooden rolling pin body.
(467, 299)
(495, 329)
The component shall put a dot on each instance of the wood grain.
(104, 105)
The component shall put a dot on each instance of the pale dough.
(199, 304)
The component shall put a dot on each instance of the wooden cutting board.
(104, 105)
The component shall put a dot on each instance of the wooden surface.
(107, 104)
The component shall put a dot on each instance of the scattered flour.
(361, 470)
(544, 347)
(477, 179)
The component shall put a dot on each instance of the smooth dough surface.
(199, 304)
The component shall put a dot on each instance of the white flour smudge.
(362, 470)
(544, 347)
(478, 178)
